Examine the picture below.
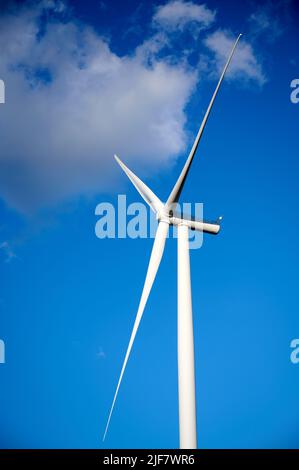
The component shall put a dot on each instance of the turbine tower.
(167, 215)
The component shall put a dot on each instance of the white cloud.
(177, 14)
(260, 22)
(71, 103)
(58, 138)
(244, 65)
(270, 20)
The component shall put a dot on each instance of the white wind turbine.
(167, 216)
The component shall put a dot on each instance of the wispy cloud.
(101, 354)
(7, 251)
(270, 19)
(177, 15)
(245, 64)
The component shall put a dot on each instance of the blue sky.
(85, 80)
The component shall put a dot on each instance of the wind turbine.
(166, 215)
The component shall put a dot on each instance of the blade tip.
(118, 160)
(105, 434)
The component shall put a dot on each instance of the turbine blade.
(150, 198)
(176, 191)
(155, 259)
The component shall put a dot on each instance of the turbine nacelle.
(173, 218)
(199, 225)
